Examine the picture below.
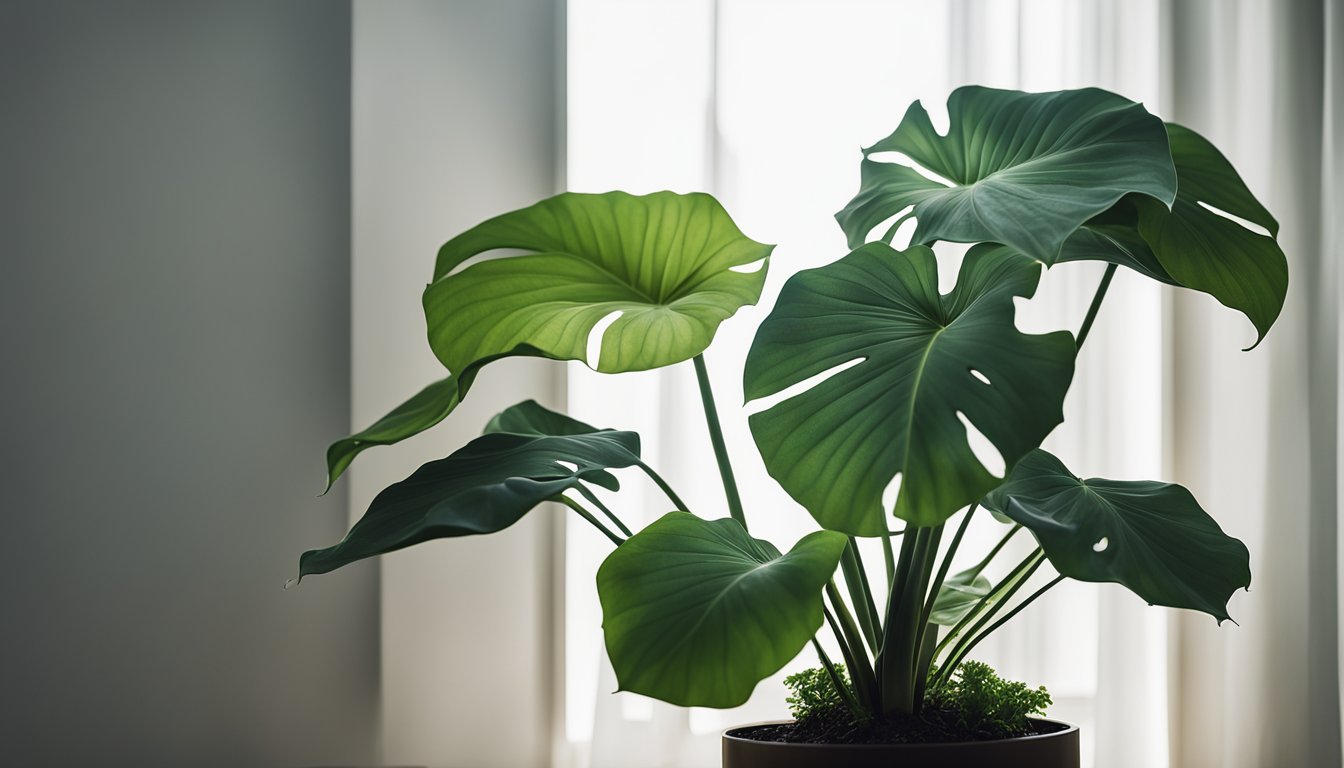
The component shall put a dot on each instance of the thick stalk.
(716, 439)
(900, 643)
(937, 584)
(1096, 304)
(860, 669)
(861, 593)
(666, 489)
(586, 515)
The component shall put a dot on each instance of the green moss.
(979, 701)
(814, 694)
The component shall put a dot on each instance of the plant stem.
(840, 687)
(864, 686)
(900, 643)
(1002, 543)
(716, 439)
(861, 593)
(960, 650)
(1096, 304)
(890, 557)
(937, 584)
(586, 515)
(988, 631)
(592, 499)
(666, 489)
(989, 596)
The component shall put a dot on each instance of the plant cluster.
(885, 376)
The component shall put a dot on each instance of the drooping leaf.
(674, 266)
(958, 595)
(484, 487)
(1243, 269)
(1151, 537)
(531, 418)
(664, 261)
(1113, 236)
(925, 359)
(1026, 169)
(697, 612)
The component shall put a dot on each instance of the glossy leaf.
(664, 261)
(837, 445)
(697, 612)
(958, 595)
(1243, 269)
(1026, 169)
(1151, 537)
(484, 487)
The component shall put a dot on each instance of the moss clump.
(814, 695)
(979, 701)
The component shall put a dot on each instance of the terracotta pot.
(1050, 750)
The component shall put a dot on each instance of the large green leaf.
(674, 266)
(1027, 169)
(1151, 537)
(1113, 236)
(664, 261)
(484, 487)
(836, 446)
(1203, 250)
(697, 612)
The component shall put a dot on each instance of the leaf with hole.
(1150, 537)
(672, 266)
(697, 612)
(1203, 250)
(924, 362)
(1025, 169)
(483, 487)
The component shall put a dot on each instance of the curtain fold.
(1255, 435)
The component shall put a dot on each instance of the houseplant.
(697, 611)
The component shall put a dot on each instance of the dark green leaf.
(484, 487)
(958, 595)
(1244, 270)
(1113, 236)
(697, 612)
(531, 418)
(1151, 537)
(1027, 169)
(836, 446)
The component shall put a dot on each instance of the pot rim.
(728, 735)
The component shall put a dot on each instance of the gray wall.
(174, 331)
(456, 119)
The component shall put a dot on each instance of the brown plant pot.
(1050, 750)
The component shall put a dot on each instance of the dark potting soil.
(930, 727)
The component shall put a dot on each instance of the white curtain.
(1255, 435)
(765, 103)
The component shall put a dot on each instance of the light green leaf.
(664, 261)
(1026, 169)
(697, 612)
(836, 446)
(484, 487)
(1243, 269)
(674, 266)
(958, 595)
(1151, 537)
